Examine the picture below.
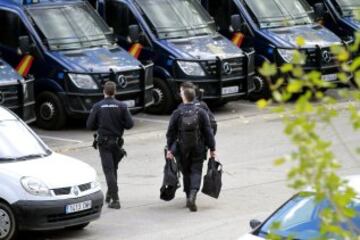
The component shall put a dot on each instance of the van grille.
(236, 67)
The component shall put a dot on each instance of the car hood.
(353, 22)
(314, 35)
(7, 73)
(249, 237)
(56, 170)
(204, 48)
(97, 60)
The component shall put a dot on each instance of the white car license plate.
(130, 103)
(329, 77)
(230, 90)
(77, 207)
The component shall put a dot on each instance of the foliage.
(313, 161)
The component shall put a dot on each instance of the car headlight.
(191, 68)
(95, 184)
(35, 186)
(83, 81)
(287, 54)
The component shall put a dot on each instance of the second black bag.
(213, 179)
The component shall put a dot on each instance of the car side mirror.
(254, 223)
(24, 44)
(134, 33)
(236, 23)
(319, 10)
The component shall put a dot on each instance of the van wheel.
(8, 228)
(164, 102)
(262, 90)
(78, 227)
(50, 111)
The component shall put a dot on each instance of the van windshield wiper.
(30, 156)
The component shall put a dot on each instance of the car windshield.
(70, 26)
(18, 142)
(349, 7)
(177, 18)
(299, 218)
(280, 13)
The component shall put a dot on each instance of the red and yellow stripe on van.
(238, 39)
(25, 65)
(135, 50)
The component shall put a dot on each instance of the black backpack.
(189, 128)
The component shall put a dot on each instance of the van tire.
(8, 225)
(164, 100)
(78, 227)
(50, 111)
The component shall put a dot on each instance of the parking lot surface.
(248, 141)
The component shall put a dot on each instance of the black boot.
(107, 198)
(115, 204)
(192, 201)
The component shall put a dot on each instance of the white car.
(299, 217)
(40, 189)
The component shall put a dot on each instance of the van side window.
(119, 17)
(11, 29)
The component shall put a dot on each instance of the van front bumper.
(50, 215)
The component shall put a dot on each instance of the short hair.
(189, 92)
(188, 84)
(110, 88)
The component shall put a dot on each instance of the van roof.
(35, 2)
(5, 114)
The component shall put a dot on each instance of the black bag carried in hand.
(212, 180)
(170, 182)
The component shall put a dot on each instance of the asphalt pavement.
(248, 141)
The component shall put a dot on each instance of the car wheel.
(78, 227)
(164, 102)
(50, 111)
(8, 228)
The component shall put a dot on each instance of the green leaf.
(294, 86)
(279, 161)
(262, 103)
(268, 69)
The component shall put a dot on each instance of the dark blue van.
(272, 27)
(16, 92)
(338, 15)
(73, 53)
(181, 39)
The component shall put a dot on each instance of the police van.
(16, 92)
(272, 27)
(71, 52)
(338, 15)
(181, 39)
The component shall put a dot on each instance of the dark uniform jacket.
(110, 117)
(205, 128)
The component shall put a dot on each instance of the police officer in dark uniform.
(109, 118)
(191, 153)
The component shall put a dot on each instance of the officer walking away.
(109, 118)
(190, 131)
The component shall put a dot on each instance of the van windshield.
(70, 26)
(18, 142)
(349, 7)
(177, 18)
(280, 13)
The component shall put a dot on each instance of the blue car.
(17, 93)
(181, 39)
(71, 52)
(272, 27)
(338, 15)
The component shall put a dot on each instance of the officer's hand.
(213, 154)
(169, 155)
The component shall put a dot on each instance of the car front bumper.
(50, 215)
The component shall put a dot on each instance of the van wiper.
(7, 159)
(30, 156)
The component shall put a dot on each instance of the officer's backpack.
(189, 128)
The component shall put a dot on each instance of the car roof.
(5, 114)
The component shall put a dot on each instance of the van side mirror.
(254, 223)
(24, 44)
(134, 33)
(319, 10)
(236, 23)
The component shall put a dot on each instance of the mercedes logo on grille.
(227, 68)
(121, 80)
(326, 56)
(2, 97)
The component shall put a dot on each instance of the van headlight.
(35, 186)
(287, 54)
(191, 68)
(83, 81)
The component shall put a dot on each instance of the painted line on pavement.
(60, 139)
